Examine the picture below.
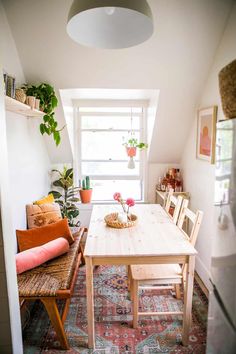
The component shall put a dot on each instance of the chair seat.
(157, 273)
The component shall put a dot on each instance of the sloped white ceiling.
(175, 60)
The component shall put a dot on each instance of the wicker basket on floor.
(112, 221)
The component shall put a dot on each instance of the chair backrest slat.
(168, 202)
(171, 199)
(196, 220)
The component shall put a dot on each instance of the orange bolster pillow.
(33, 257)
(41, 235)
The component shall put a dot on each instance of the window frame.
(142, 176)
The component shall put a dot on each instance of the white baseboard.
(203, 272)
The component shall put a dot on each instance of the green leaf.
(46, 118)
(69, 173)
(55, 194)
(58, 183)
(73, 213)
(73, 199)
(58, 138)
(42, 128)
(47, 130)
(54, 102)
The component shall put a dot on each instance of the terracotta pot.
(85, 195)
(131, 151)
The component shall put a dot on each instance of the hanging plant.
(131, 149)
(132, 145)
(48, 102)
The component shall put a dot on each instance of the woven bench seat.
(51, 281)
(51, 276)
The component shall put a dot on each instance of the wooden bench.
(51, 281)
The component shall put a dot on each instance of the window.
(224, 155)
(101, 131)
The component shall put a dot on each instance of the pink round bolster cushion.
(33, 257)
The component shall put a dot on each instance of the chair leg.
(53, 313)
(135, 302)
(177, 291)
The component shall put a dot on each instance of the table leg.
(188, 296)
(135, 302)
(90, 302)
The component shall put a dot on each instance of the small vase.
(37, 104)
(122, 217)
(30, 101)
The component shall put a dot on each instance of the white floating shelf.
(15, 106)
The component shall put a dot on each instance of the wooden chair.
(177, 202)
(169, 200)
(163, 275)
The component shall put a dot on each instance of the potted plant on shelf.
(48, 102)
(86, 191)
(67, 197)
(132, 145)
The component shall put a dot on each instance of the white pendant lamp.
(110, 24)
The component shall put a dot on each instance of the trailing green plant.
(86, 183)
(134, 143)
(67, 197)
(48, 102)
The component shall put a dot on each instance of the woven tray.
(111, 221)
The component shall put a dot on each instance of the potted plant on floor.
(67, 197)
(48, 102)
(86, 191)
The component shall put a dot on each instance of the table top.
(154, 235)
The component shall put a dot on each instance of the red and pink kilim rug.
(113, 315)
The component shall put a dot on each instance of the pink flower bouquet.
(126, 204)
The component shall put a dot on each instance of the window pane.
(104, 146)
(104, 190)
(109, 122)
(109, 168)
(225, 143)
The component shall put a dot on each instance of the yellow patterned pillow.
(48, 199)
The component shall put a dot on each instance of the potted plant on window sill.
(86, 191)
(132, 145)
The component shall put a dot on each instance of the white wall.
(198, 174)
(29, 165)
(23, 178)
(28, 160)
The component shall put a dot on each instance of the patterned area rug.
(114, 334)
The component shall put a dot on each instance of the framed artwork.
(206, 134)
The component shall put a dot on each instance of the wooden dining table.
(155, 239)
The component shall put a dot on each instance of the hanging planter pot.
(131, 151)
